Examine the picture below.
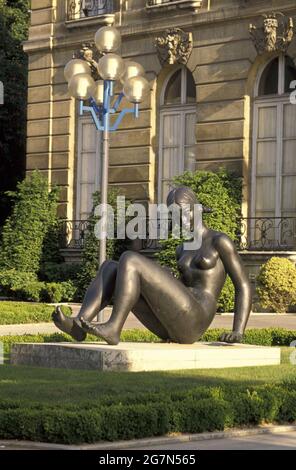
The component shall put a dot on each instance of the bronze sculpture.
(176, 310)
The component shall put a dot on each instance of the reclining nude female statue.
(176, 310)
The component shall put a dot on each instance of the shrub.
(24, 232)
(25, 286)
(277, 284)
(60, 272)
(54, 292)
(12, 279)
(29, 291)
(220, 191)
(226, 299)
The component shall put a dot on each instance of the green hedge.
(13, 313)
(201, 409)
(261, 337)
(25, 286)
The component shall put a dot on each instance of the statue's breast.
(203, 259)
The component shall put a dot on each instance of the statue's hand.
(233, 337)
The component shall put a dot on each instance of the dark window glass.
(290, 73)
(270, 79)
(173, 89)
(191, 90)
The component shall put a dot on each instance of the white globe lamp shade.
(136, 89)
(107, 39)
(132, 69)
(74, 67)
(99, 92)
(111, 67)
(82, 86)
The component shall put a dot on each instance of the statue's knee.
(129, 257)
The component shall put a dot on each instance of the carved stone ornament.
(275, 35)
(174, 46)
(90, 54)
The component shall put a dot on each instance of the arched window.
(274, 146)
(177, 128)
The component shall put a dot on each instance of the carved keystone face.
(270, 24)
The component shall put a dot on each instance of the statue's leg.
(146, 316)
(96, 298)
(100, 291)
(172, 303)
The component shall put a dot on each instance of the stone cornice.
(145, 25)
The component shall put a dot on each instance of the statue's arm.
(243, 297)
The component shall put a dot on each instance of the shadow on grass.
(78, 387)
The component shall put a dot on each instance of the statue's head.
(186, 199)
(184, 195)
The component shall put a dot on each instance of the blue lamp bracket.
(101, 114)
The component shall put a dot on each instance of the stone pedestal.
(135, 357)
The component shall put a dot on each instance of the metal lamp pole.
(101, 118)
(105, 171)
(82, 86)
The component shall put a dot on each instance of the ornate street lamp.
(111, 68)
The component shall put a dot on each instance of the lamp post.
(111, 68)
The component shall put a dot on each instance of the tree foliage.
(14, 22)
(25, 232)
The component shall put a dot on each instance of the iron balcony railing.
(78, 9)
(156, 4)
(255, 234)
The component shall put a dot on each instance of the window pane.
(265, 194)
(289, 157)
(171, 130)
(173, 89)
(290, 120)
(190, 160)
(88, 166)
(270, 79)
(166, 188)
(190, 89)
(171, 163)
(86, 202)
(190, 122)
(267, 122)
(289, 193)
(89, 138)
(266, 158)
(290, 73)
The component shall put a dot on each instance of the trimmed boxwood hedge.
(201, 409)
(261, 337)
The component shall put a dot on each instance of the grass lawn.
(73, 406)
(13, 313)
(65, 387)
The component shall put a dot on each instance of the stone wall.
(224, 64)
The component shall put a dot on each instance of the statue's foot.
(68, 325)
(103, 331)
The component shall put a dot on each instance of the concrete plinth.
(143, 356)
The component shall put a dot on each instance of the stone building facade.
(219, 97)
